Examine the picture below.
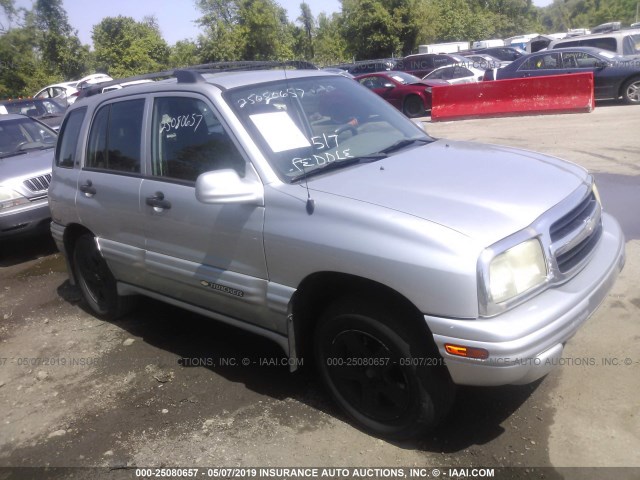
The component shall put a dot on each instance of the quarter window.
(188, 140)
(115, 138)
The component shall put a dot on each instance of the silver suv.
(300, 206)
(26, 155)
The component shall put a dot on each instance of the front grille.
(572, 220)
(38, 184)
(572, 258)
(576, 234)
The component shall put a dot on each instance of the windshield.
(23, 134)
(313, 123)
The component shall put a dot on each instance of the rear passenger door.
(107, 196)
(203, 254)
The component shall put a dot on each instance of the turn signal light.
(467, 352)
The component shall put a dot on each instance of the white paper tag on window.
(279, 131)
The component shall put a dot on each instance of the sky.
(175, 17)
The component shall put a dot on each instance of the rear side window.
(607, 43)
(574, 43)
(68, 138)
(115, 137)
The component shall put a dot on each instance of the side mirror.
(226, 186)
(389, 85)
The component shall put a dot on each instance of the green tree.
(370, 29)
(330, 46)
(244, 30)
(184, 53)
(305, 35)
(60, 49)
(19, 66)
(125, 47)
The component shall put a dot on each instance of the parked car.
(66, 93)
(484, 61)
(504, 54)
(26, 156)
(406, 92)
(623, 42)
(422, 63)
(614, 77)
(302, 207)
(93, 79)
(367, 66)
(47, 110)
(456, 74)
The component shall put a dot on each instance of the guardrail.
(514, 97)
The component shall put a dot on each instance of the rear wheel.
(413, 107)
(96, 282)
(631, 91)
(380, 371)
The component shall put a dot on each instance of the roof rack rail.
(191, 73)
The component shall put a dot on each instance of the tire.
(96, 282)
(382, 373)
(631, 91)
(413, 107)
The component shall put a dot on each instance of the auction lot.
(164, 387)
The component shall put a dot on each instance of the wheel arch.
(318, 290)
(623, 84)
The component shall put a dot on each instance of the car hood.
(483, 191)
(14, 170)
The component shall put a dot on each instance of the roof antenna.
(311, 204)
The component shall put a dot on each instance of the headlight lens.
(516, 270)
(10, 199)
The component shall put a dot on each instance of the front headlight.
(596, 193)
(516, 271)
(508, 273)
(10, 199)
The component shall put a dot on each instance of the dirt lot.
(160, 388)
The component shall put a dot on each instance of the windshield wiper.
(405, 142)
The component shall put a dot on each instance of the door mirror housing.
(226, 186)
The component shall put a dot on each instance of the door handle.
(157, 201)
(88, 189)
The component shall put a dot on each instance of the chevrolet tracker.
(298, 205)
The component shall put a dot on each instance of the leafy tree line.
(39, 46)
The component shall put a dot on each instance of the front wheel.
(96, 282)
(380, 371)
(413, 107)
(631, 91)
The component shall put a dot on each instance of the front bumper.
(28, 219)
(525, 343)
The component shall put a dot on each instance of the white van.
(496, 42)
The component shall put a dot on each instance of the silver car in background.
(26, 156)
(302, 207)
